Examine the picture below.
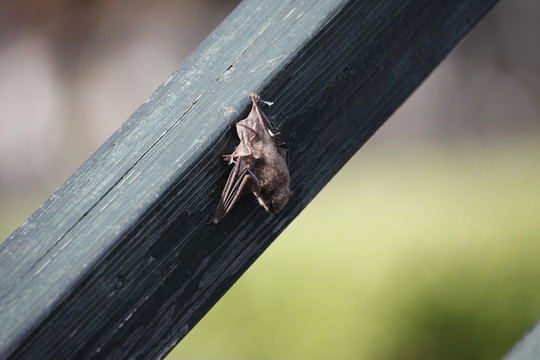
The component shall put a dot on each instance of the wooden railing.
(120, 262)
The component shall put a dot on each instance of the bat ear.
(284, 152)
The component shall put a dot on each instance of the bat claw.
(229, 159)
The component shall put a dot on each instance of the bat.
(260, 165)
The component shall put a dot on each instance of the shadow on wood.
(119, 262)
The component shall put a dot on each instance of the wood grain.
(119, 262)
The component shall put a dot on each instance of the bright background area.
(425, 246)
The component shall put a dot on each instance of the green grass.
(409, 253)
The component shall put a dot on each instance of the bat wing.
(241, 181)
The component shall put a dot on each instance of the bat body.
(260, 165)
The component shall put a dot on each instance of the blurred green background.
(424, 246)
(421, 253)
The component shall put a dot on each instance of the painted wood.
(119, 262)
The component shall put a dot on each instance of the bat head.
(275, 201)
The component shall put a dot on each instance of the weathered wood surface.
(528, 348)
(119, 262)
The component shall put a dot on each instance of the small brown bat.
(260, 165)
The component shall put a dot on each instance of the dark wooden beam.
(119, 262)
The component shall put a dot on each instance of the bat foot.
(256, 98)
(229, 159)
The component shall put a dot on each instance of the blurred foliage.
(409, 253)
